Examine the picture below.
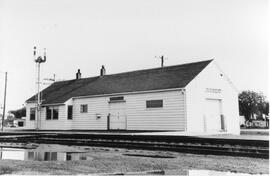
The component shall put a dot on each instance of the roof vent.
(102, 71)
(78, 74)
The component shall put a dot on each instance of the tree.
(19, 113)
(9, 120)
(251, 102)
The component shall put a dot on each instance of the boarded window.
(32, 113)
(154, 103)
(70, 112)
(52, 113)
(84, 108)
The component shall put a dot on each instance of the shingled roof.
(169, 77)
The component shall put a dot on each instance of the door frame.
(220, 115)
(109, 117)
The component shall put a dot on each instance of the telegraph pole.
(4, 108)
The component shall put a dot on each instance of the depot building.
(193, 97)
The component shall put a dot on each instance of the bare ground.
(111, 160)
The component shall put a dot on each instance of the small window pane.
(84, 108)
(154, 103)
(32, 113)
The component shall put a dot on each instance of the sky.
(126, 35)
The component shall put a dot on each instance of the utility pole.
(38, 61)
(4, 108)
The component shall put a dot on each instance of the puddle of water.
(39, 155)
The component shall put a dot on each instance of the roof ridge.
(147, 69)
(165, 67)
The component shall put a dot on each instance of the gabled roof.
(169, 77)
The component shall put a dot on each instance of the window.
(55, 113)
(47, 156)
(53, 156)
(84, 108)
(119, 98)
(52, 113)
(48, 113)
(154, 103)
(32, 113)
(50, 156)
(68, 156)
(70, 112)
(31, 155)
(82, 157)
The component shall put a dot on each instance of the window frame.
(154, 105)
(82, 108)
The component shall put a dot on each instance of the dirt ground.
(106, 161)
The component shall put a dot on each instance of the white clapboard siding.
(138, 117)
(197, 98)
(60, 124)
(170, 117)
(88, 120)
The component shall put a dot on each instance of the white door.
(213, 115)
(118, 116)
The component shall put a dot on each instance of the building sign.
(211, 90)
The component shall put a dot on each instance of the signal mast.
(38, 60)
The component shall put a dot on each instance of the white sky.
(126, 35)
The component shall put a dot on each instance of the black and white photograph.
(113, 88)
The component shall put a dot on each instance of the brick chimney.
(102, 71)
(78, 74)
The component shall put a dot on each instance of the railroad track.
(193, 145)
